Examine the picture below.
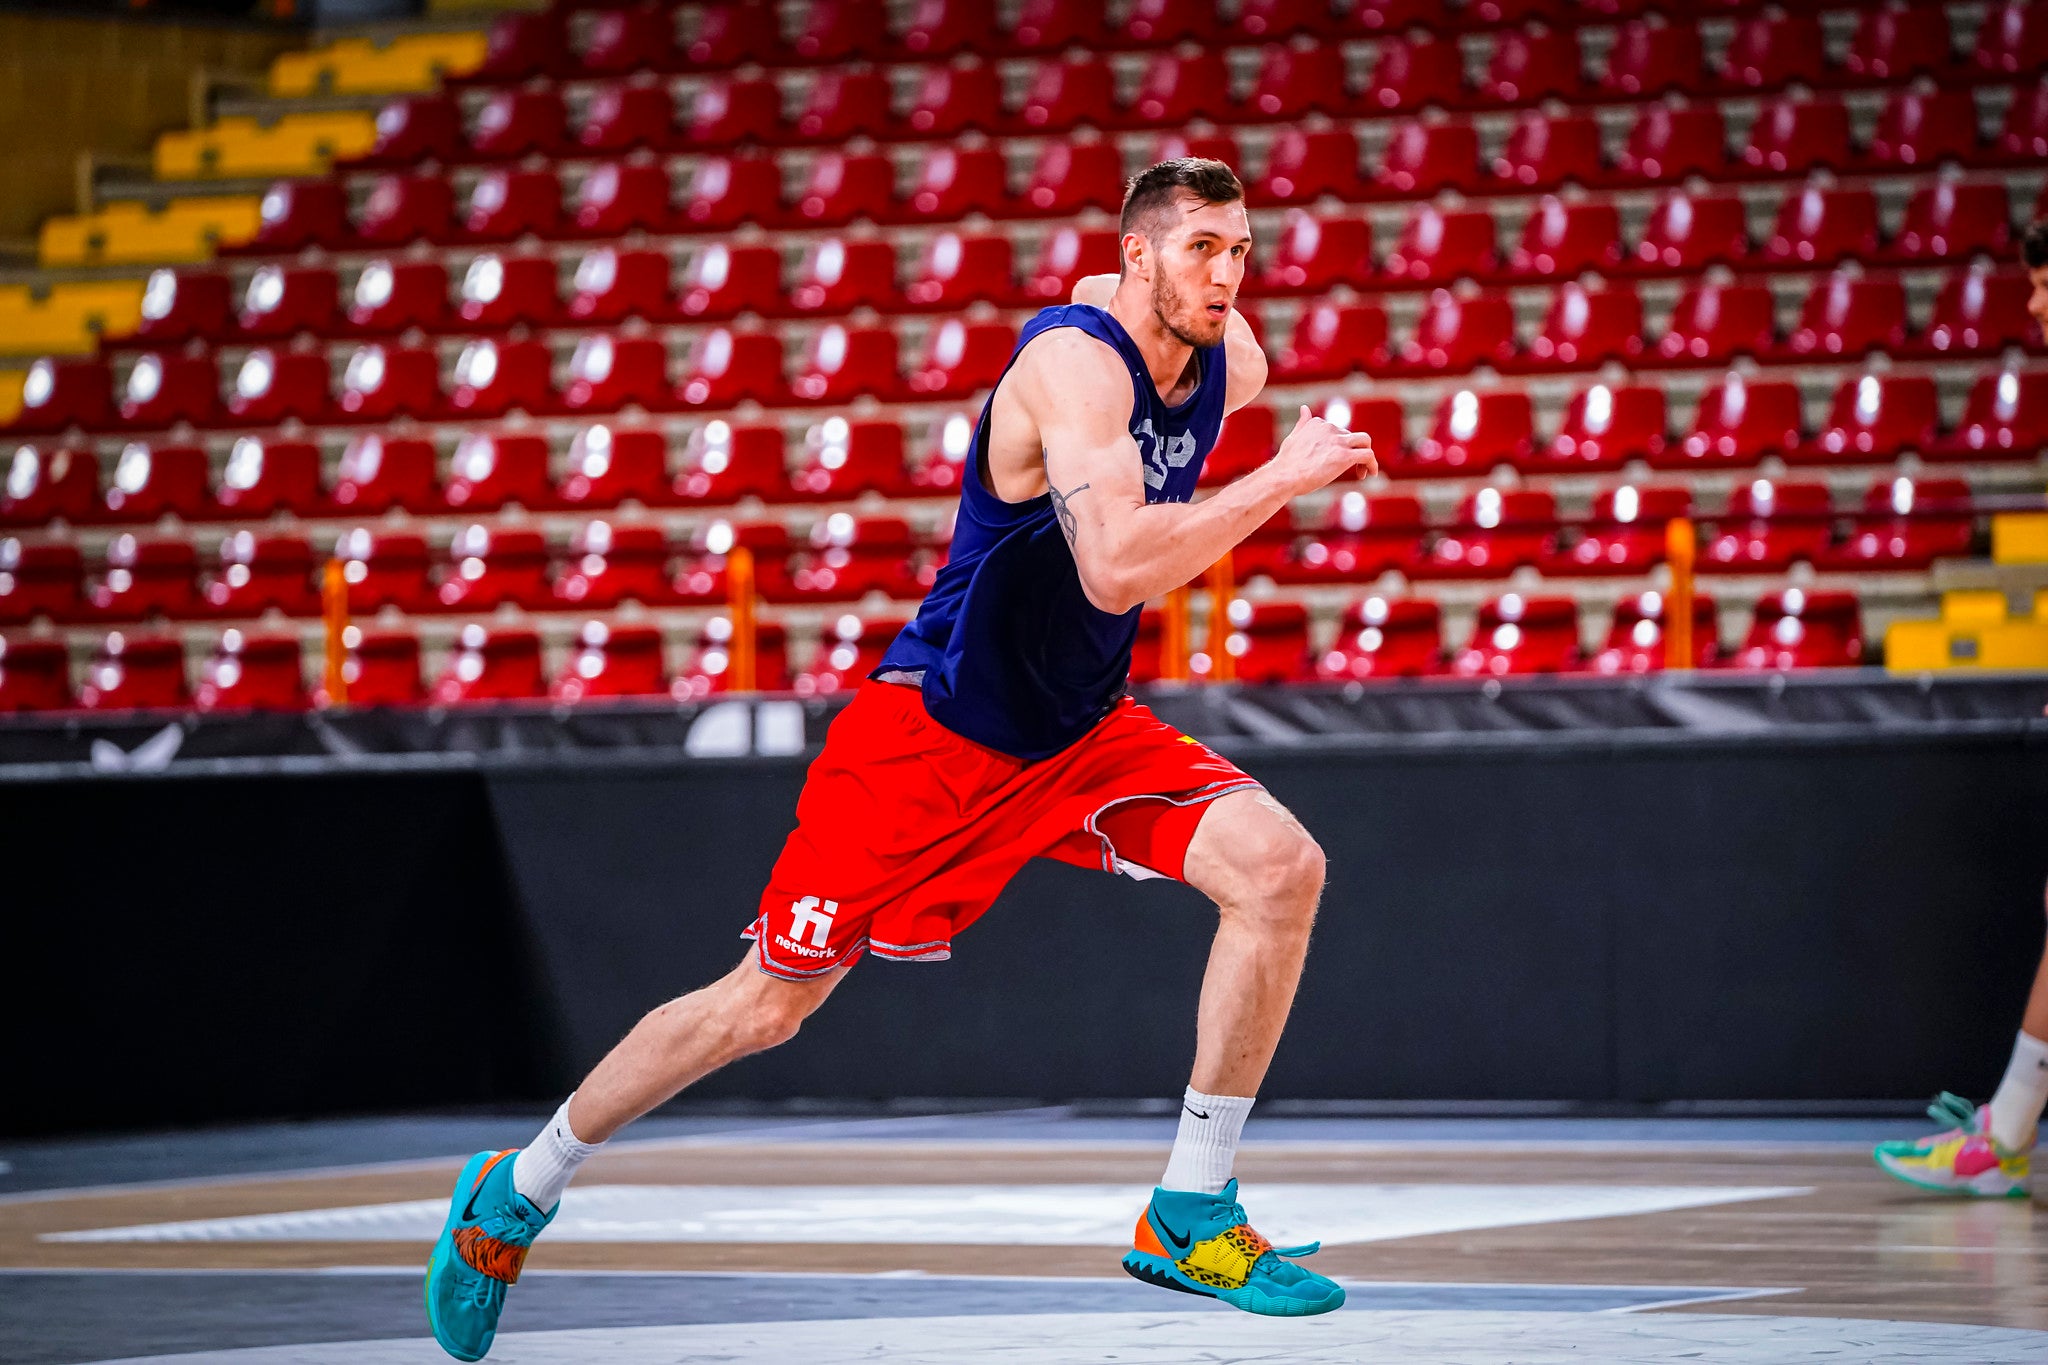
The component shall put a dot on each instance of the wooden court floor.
(1848, 1243)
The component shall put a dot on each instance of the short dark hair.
(2033, 246)
(1159, 187)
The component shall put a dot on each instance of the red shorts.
(906, 832)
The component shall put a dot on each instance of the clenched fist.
(1319, 452)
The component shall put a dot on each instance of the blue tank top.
(1014, 655)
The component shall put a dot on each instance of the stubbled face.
(2037, 302)
(1197, 259)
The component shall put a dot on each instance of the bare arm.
(1127, 550)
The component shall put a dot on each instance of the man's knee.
(1283, 867)
(769, 1011)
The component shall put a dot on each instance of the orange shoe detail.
(509, 1151)
(489, 1256)
(1147, 1240)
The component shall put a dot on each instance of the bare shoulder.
(1247, 363)
(1065, 375)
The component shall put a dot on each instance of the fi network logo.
(809, 913)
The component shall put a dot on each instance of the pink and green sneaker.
(1962, 1159)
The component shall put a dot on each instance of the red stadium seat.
(252, 673)
(1821, 226)
(724, 463)
(959, 270)
(1566, 239)
(1876, 418)
(1513, 634)
(612, 562)
(1443, 244)
(517, 123)
(44, 485)
(1650, 58)
(1456, 334)
(708, 669)
(840, 30)
(1977, 312)
(1792, 136)
(612, 661)
(1263, 20)
(1952, 221)
(946, 444)
(1849, 316)
(851, 649)
(492, 378)
(384, 568)
(850, 557)
(1671, 142)
(1605, 427)
(1923, 127)
(490, 665)
(728, 111)
(1738, 423)
(1635, 641)
(615, 199)
(2023, 136)
(1497, 531)
(726, 366)
(639, 38)
(1332, 340)
(272, 385)
(1422, 158)
(1798, 628)
(1544, 151)
(838, 276)
(1314, 253)
(962, 358)
(263, 477)
(1177, 88)
(163, 390)
(259, 573)
(412, 129)
(495, 565)
(728, 191)
(506, 205)
(1049, 25)
(178, 305)
(939, 28)
(607, 373)
(58, 393)
(296, 214)
(1895, 43)
(612, 285)
(381, 667)
(498, 291)
(955, 99)
(1623, 535)
(1066, 92)
(135, 672)
(729, 35)
(957, 181)
(1906, 523)
(1685, 233)
(844, 459)
(844, 104)
(1295, 81)
(2004, 418)
(1245, 443)
(1414, 72)
(381, 382)
(1362, 537)
(1769, 525)
(845, 186)
(609, 464)
(700, 579)
(724, 281)
(842, 364)
(1071, 176)
(622, 116)
(391, 296)
(1473, 432)
(1156, 23)
(35, 675)
(150, 481)
(1588, 326)
(1770, 52)
(1383, 638)
(1070, 254)
(406, 208)
(280, 302)
(2013, 40)
(520, 45)
(1534, 64)
(1267, 643)
(378, 473)
(490, 470)
(40, 579)
(148, 577)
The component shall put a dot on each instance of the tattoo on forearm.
(1062, 511)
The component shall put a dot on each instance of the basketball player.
(1988, 1150)
(998, 729)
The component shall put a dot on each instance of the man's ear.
(1133, 246)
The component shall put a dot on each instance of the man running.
(1987, 1150)
(998, 729)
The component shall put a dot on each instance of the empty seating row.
(1766, 49)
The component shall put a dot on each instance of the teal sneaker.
(1202, 1244)
(483, 1244)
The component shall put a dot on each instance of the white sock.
(543, 1168)
(2017, 1105)
(1207, 1142)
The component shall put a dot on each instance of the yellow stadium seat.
(10, 394)
(1974, 631)
(2019, 538)
(356, 66)
(297, 144)
(132, 234)
(70, 320)
(1972, 607)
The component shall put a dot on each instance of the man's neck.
(1166, 356)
